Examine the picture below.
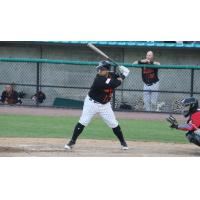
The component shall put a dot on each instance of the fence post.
(192, 83)
(37, 81)
(113, 105)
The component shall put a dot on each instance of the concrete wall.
(66, 75)
(164, 55)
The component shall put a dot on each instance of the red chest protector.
(193, 123)
(195, 119)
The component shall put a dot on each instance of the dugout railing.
(66, 83)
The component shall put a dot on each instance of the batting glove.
(124, 70)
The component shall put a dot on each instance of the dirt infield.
(53, 147)
(50, 147)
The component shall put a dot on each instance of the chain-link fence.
(66, 83)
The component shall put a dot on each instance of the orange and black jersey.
(103, 87)
(149, 75)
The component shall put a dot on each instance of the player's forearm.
(135, 62)
(143, 61)
(115, 83)
(186, 127)
(156, 63)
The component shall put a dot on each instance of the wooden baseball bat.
(101, 53)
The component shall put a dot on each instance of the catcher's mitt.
(173, 122)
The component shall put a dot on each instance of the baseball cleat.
(124, 146)
(70, 145)
(67, 147)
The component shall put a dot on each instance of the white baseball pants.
(150, 97)
(91, 108)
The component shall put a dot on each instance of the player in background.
(151, 81)
(10, 96)
(190, 110)
(98, 101)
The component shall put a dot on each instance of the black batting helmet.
(190, 106)
(104, 65)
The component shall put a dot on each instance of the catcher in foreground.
(190, 109)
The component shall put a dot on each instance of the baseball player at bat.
(190, 110)
(98, 101)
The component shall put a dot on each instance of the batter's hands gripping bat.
(101, 53)
(124, 70)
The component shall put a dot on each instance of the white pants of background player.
(104, 110)
(150, 97)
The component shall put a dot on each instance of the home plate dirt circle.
(54, 147)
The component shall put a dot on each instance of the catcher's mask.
(104, 65)
(190, 106)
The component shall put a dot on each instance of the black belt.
(93, 100)
(150, 84)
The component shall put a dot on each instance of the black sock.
(118, 132)
(77, 131)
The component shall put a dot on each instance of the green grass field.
(62, 127)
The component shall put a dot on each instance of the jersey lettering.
(108, 81)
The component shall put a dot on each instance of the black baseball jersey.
(103, 87)
(149, 75)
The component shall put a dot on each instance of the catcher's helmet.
(104, 65)
(190, 106)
